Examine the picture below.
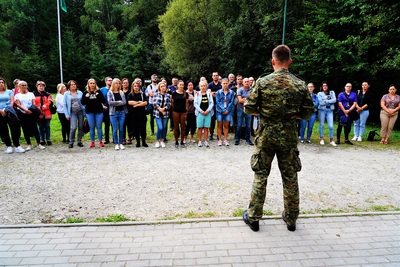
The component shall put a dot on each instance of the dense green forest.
(335, 40)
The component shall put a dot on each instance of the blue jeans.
(328, 116)
(117, 122)
(76, 120)
(44, 129)
(95, 120)
(359, 125)
(309, 124)
(247, 121)
(161, 127)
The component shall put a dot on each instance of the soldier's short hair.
(281, 53)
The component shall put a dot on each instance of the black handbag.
(85, 127)
(371, 135)
(35, 111)
(354, 115)
(53, 108)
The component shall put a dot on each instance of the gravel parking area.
(154, 184)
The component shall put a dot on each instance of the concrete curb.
(198, 220)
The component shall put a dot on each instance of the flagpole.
(284, 23)
(59, 40)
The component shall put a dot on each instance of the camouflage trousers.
(289, 164)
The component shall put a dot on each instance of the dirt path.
(152, 184)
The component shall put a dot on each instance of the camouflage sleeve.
(307, 106)
(251, 103)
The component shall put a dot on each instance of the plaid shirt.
(157, 101)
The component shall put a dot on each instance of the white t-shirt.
(153, 88)
(25, 100)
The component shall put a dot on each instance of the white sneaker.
(206, 144)
(354, 138)
(19, 149)
(184, 140)
(162, 144)
(226, 142)
(322, 142)
(41, 147)
(122, 147)
(333, 143)
(28, 148)
(359, 139)
(157, 145)
(219, 142)
(200, 144)
(116, 147)
(9, 150)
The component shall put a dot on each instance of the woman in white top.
(25, 102)
(65, 124)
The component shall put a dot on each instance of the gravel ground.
(153, 184)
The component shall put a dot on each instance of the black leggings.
(190, 124)
(65, 126)
(139, 122)
(29, 127)
(347, 129)
(15, 129)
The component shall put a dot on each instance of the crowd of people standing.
(188, 109)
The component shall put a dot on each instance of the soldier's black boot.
(291, 228)
(255, 226)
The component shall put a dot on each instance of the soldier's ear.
(273, 62)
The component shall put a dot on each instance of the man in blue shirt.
(106, 114)
(242, 94)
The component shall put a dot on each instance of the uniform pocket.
(256, 161)
(296, 160)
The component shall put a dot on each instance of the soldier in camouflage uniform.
(280, 98)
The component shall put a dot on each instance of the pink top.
(389, 102)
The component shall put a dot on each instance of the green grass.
(169, 218)
(384, 208)
(73, 220)
(113, 218)
(56, 137)
(376, 208)
(237, 213)
(267, 213)
(191, 215)
(394, 141)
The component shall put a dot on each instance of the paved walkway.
(360, 240)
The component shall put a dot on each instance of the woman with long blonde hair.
(117, 108)
(94, 100)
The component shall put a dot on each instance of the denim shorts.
(224, 117)
(203, 121)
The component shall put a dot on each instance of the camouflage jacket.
(281, 99)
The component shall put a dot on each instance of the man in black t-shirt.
(214, 86)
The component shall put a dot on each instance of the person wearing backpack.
(150, 92)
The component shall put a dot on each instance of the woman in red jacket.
(43, 100)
